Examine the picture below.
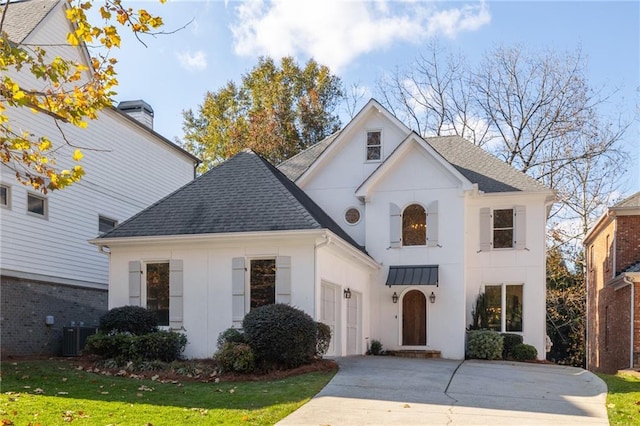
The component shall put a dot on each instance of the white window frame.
(503, 304)
(45, 206)
(344, 216)
(143, 287)
(366, 146)
(512, 228)
(247, 288)
(8, 190)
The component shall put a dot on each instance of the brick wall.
(24, 305)
(636, 326)
(613, 329)
(627, 242)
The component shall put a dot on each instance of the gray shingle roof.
(633, 268)
(629, 202)
(24, 16)
(295, 166)
(473, 162)
(490, 173)
(244, 194)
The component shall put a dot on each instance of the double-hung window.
(262, 282)
(5, 196)
(503, 228)
(157, 291)
(374, 145)
(504, 307)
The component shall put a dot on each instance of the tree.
(69, 91)
(277, 111)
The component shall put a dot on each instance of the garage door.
(328, 312)
(353, 324)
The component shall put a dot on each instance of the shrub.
(280, 335)
(230, 335)
(235, 357)
(164, 346)
(510, 340)
(323, 339)
(129, 319)
(484, 344)
(375, 348)
(524, 352)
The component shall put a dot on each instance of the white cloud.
(192, 61)
(335, 32)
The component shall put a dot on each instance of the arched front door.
(414, 319)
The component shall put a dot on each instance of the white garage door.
(353, 324)
(328, 312)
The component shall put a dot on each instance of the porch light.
(347, 293)
(394, 297)
(432, 297)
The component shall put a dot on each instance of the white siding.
(127, 169)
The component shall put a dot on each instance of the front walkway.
(400, 391)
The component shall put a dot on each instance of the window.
(352, 216)
(374, 146)
(607, 262)
(36, 205)
(105, 224)
(262, 282)
(504, 307)
(157, 287)
(503, 228)
(414, 226)
(5, 196)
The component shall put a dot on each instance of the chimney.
(138, 110)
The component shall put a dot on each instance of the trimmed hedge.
(235, 357)
(524, 352)
(230, 335)
(129, 319)
(280, 335)
(510, 340)
(163, 346)
(484, 344)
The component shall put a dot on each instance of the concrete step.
(423, 354)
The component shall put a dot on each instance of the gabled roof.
(24, 16)
(295, 166)
(490, 173)
(629, 202)
(244, 194)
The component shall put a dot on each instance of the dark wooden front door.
(414, 319)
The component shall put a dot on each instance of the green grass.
(623, 399)
(53, 392)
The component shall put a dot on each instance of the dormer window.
(374, 145)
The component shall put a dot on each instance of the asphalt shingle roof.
(244, 194)
(295, 166)
(633, 268)
(24, 16)
(632, 201)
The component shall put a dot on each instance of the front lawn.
(55, 392)
(623, 399)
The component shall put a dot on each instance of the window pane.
(35, 204)
(158, 291)
(4, 196)
(373, 139)
(352, 216)
(105, 225)
(373, 153)
(503, 238)
(414, 226)
(263, 282)
(493, 294)
(514, 308)
(503, 218)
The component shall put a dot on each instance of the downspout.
(630, 281)
(321, 244)
(614, 267)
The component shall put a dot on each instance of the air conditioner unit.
(74, 338)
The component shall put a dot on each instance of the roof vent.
(138, 110)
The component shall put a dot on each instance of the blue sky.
(360, 41)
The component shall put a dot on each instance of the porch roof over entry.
(413, 275)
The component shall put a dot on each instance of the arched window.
(414, 226)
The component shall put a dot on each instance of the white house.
(47, 266)
(375, 231)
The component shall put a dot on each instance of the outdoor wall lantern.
(394, 297)
(432, 297)
(347, 293)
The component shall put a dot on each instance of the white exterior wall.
(207, 277)
(511, 266)
(127, 169)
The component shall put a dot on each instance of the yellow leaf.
(77, 155)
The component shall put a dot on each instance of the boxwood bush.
(230, 335)
(524, 352)
(163, 346)
(129, 319)
(235, 357)
(280, 336)
(510, 340)
(484, 344)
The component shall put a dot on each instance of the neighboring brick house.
(612, 247)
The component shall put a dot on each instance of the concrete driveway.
(400, 391)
